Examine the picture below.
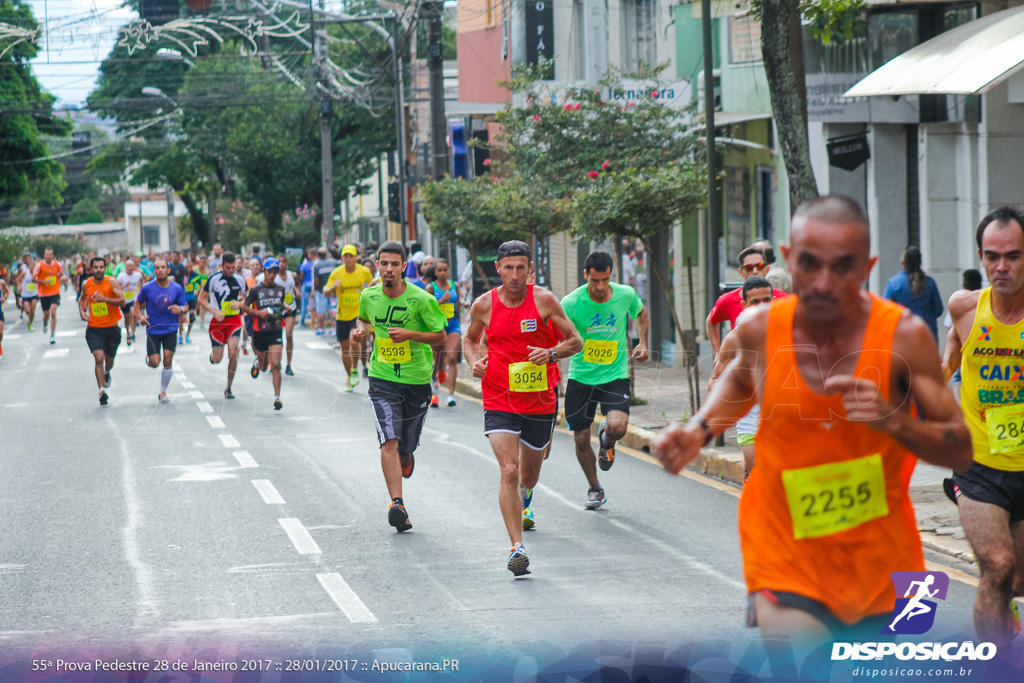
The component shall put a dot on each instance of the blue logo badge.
(915, 611)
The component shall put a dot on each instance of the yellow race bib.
(350, 299)
(1005, 428)
(226, 308)
(527, 377)
(31, 286)
(51, 281)
(129, 297)
(391, 352)
(289, 298)
(448, 310)
(188, 288)
(834, 497)
(600, 352)
(98, 309)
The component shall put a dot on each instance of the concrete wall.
(887, 176)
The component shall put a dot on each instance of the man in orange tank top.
(100, 307)
(986, 342)
(518, 390)
(49, 275)
(825, 516)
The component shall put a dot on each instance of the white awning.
(968, 59)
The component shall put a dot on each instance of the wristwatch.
(552, 356)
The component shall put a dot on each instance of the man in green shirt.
(600, 310)
(405, 322)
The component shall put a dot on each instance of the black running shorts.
(261, 341)
(1001, 488)
(168, 341)
(399, 411)
(860, 630)
(343, 328)
(534, 430)
(105, 339)
(581, 401)
(47, 301)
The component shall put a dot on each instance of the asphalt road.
(209, 529)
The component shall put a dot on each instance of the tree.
(238, 225)
(12, 246)
(85, 211)
(522, 204)
(462, 211)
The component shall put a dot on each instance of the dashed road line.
(196, 394)
(215, 421)
(244, 459)
(268, 492)
(346, 599)
(56, 353)
(187, 385)
(228, 440)
(299, 536)
(204, 407)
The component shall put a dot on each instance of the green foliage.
(833, 19)
(85, 211)
(300, 228)
(238, 224)
(12, 246)
(463, 211)
(63, 245)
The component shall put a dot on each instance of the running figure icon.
(914, 605)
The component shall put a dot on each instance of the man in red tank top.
(518, 386)
(825, 517)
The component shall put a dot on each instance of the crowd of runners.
(835, 392)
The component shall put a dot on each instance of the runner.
(286, 279)
(306, 280)
(216, 260)
(347, 281)
(49, 274)
(754, 292)
(601, 310)
(985, 342)
(100, 308)
(519, 399)
(265, 304)
(826, 517)
(179, 273)
(446, 358)
(406, 321)
(250, 274)
(322, 269)
(131, 280)
(160, 306)
(204, 274)
(729, 306)
(193, 285)
(29, 289)
(222, 297)
(4, 292)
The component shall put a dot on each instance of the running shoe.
(605, 456)
(163, 399)
(526, 495)
(518, 563)
(181, 340)
(595, 498)
(319, 333)
(103, 398)
(434, 402)
(245, 350)
(46, 325)
(451, 401)
(188, 340)
(228, 394)
(106, 380)
(354, 376)
(288, 371)
(348, 385)
(442, 376)
(129, 340)
(277, 403)
(528, 521)
(366, 372)
(30, 329)
(255, 371)
(408, 464)
(398, 517)
(52, 340)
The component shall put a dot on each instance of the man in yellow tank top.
(987, 343)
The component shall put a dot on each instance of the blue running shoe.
(527, 496)
(518, 563)
(528, 521)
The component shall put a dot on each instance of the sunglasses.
(751, 267)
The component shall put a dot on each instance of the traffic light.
(394, 204)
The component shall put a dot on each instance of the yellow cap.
(350, 249)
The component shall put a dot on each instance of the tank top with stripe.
(826, 512)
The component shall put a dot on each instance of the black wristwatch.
(552, 356)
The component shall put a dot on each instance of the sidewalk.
(667, 400)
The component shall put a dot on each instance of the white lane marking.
(195, 394)
(12, 336)
(300, 538)
(56, 353)
(319, 346)
(187, 385)
(244, 459)
(147, 608)
(229, 441)
(204, 407)
(215, 421)
(66, 333)
(346, 598)
(268, 492)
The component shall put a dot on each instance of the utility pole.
(326, 153)
(435, 66)
(172, 222)
(714, 216)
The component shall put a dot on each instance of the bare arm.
(479, 316)
(962, 306)
(942, 437)
(549, 308)
(726, 354)
(714, 331)
(643, 324)
(117, 299)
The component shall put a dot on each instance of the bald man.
(825, 516)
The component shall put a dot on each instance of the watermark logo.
(916, 593)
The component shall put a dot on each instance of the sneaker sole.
(528, 523)
(605, 463)
(594, 504)
(412, 466)
(399, 518)
(519, 565)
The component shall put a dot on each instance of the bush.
(300, 228)
(62, 245)
(85, 211)
(238, 224)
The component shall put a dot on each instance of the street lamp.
(150, 91)
(174, 55)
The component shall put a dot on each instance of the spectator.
(776, 275)
(915, 290)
